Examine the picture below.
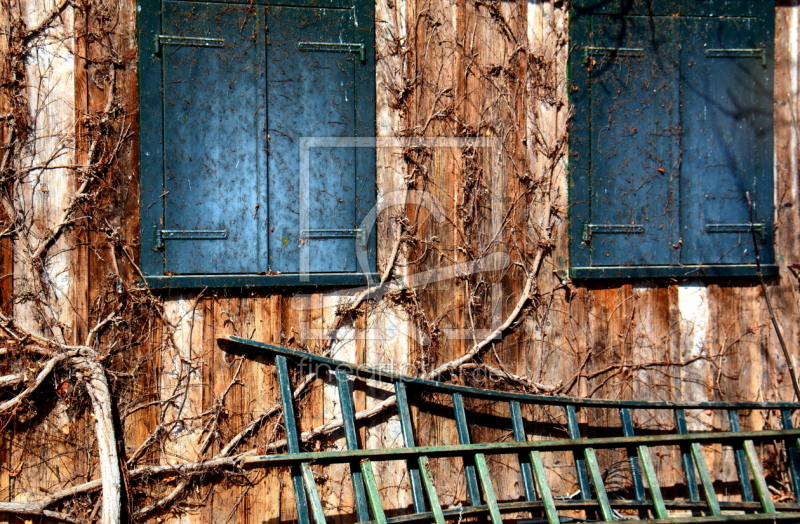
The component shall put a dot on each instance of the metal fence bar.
(463, 437)
(524, 462)
(404, 412)
(292, 438)
(740, 458)
(351, 438)
(580, 462)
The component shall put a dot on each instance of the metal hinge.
(759, 229)
(187, 234)
(195, 41)
(622, 229)
(612, 52)
(334, 47)
(359, 234)
(738, 53)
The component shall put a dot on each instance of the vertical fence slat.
(599, 487)
(372, 492)
(544, 488)
(705, 478)
(430, 489)
(636, 470)
(792, 453)
(313, 494)
(463, 437)
(488, 489)
(351, 438)
(580, 462)
(740, 459)
(292, 438)
(652, 482)
(686, 457)
(758, 477)
(407, 427)
(524, 462)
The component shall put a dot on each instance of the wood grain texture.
(455, 68)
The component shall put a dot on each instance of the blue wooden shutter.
(214, 164)
(672, 129)
(312, 59)
(726, 107)
(634, 119)
(230, 92)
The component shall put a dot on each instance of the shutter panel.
(633, 79)
(726, 140)
(312, 56)
(213, 138)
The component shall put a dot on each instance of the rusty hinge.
(759, 229)
(187, 234)
(162, 40)
(334, 47)
(738, 53)
(622, 229)
(359, 234)
(612, 52)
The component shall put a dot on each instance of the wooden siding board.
(428, 48)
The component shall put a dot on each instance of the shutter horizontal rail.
(500, 448)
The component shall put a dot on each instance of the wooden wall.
(490, 69)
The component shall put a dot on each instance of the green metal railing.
(702, 500)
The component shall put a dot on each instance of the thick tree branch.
(34, 510)
(100, 395)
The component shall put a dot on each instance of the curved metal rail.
(702, 500)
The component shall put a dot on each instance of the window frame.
(151, 153)
(580, 166)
